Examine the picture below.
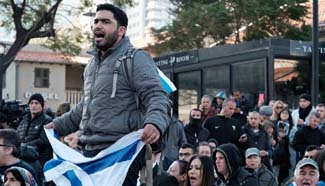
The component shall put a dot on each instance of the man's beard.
(110, 41)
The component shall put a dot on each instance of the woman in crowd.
(320, 160)
(17, 176)
(277, 107)
(284, 156)
(200, 171)
(178, 170)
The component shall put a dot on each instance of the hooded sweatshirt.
(195, 133)
(237, 174)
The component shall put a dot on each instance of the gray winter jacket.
(103, 120)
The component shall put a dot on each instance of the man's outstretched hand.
(150, 134)
(49, 126)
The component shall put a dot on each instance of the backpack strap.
(126, 60)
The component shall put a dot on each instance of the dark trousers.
(134, 170)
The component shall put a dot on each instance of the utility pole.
(315, 56)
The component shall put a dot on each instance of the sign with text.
(177, 59)
(47, 96)
(305, 48)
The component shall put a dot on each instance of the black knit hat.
(305, 96)
(38, 97)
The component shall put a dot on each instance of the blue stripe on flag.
(100, 164)
(56, 135)
(167, 88)
(51, 164)
(109, 160)
(74, 180)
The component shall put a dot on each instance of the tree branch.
(40, 34)
(17, 16)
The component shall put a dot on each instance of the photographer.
(11, 113)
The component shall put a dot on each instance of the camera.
(12, 112)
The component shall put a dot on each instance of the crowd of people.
(263, 144)
(25, 150)
(228, 141)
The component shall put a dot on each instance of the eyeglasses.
(184, 154)
(2, 145)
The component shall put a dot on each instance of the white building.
(144, 15)
(39, 70)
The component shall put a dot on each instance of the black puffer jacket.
(31, 132)
(237, 174)
(307, 136)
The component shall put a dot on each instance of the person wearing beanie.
(31, 130)
(300, 116)
(227, 163)
(266, 113)
(37, 97)
(122, 94)
(218, 100)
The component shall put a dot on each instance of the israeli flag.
(166, 83)
(107, 168)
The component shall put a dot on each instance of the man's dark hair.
(118, 13)
(320, 105)
(211, 140)
(312, 147)
(187, 145)
(11, 138)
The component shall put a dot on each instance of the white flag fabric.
(108, 168)
(166, 83)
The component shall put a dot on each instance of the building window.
(215, 80)
(4, 80)
(250, 78)
(188, 85)
(292, 78)
(42, 78)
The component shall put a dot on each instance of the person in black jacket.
(31, 128)
(227, 164)
(222, 127)
(194, 131)
(309, 135)
(254, 135)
